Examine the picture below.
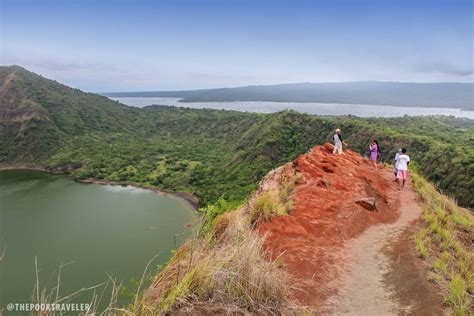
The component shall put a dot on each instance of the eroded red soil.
(337, 198)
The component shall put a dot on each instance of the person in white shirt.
(402, 168)
(399, 152)
(338, 142)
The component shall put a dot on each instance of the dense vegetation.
(223, 154)
(213, 153)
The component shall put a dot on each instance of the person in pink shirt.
(374, 152)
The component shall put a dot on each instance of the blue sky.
(127, 45)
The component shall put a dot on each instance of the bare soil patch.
(347, 243)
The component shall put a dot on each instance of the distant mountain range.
(448, 95)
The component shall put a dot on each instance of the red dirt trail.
(332, 244)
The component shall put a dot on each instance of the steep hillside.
(324, 234)
(216, 155)
(25, 125)
(457, 95)
(37, 115)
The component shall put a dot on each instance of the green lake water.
(103, 229)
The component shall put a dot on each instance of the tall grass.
(51, 300)
(231, 272)
(446, 245)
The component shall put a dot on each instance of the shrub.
(264, 206)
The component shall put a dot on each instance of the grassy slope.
(446, 245)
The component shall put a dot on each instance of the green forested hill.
(212, 153)
(37, 115)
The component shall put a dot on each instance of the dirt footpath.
(347, 245)
(382, 274)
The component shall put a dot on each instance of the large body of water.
(360, 110)
(102, 229)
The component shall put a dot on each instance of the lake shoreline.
(188, 197)
(87, 225)
(23, 167)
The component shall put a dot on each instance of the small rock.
(369, 203)
(322, 184)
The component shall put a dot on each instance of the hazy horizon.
(260, 85)
(128, 46)
(287, 83)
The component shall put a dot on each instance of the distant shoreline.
(188, 100)
(312, 108)
(189, 198)
(454, 95)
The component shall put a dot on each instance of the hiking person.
(338, 142)
(402, 168)
(399, 152)
(374, 152)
